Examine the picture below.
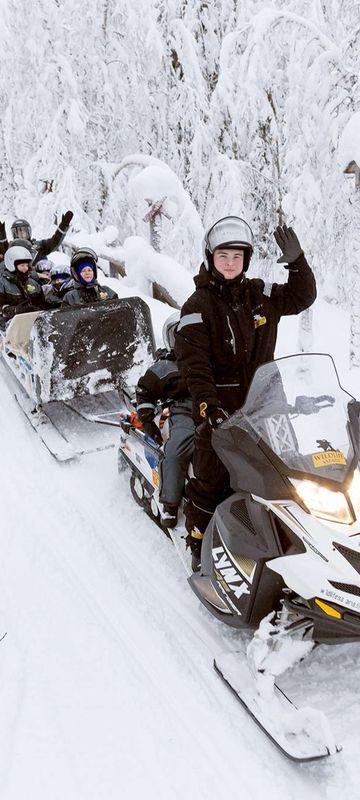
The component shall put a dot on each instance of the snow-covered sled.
(68, 370)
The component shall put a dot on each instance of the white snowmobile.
(67, 369)
(282, 553)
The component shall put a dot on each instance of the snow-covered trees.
(245, 103)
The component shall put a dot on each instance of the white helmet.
(16, 254)
(228, 232)
(168, 331)
(59, 271)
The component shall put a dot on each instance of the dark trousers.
(177, 452)
(210, 484)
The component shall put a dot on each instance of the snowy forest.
(150, 120)
(252, 106)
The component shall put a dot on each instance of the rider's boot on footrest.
(168, 515)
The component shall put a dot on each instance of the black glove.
(3, 237)
(152, 430)
(25, 307)
(66, 219)
(289, 244)
(7, 312)
(213, 415)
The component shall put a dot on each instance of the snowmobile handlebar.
(311, 405)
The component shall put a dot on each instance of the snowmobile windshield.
(298, 408)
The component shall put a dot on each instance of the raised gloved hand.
(214, 415)
(66, 219)
(2, 232)
(289, 244)
(152, 430)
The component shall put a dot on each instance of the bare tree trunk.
(355, 315)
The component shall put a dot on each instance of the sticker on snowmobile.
(258, 320)
(327, 458)
(156, 478)
(226, 575)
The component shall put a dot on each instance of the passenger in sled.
(228, 328)
(85, 287)
(20, 292)
(60, 283)
(21, 229)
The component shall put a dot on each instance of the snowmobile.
(67, 369)
(281, 555)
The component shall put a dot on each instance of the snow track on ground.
(107, 683)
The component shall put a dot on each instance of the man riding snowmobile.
(228, 327)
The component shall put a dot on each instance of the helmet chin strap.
(221, 278)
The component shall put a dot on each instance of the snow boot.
(168, 515)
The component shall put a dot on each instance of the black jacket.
(81, 295)
(161, 383)
(228, 328)
(23, 296)
(54, 299)
(42, 247)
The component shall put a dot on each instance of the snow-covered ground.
(107, 688)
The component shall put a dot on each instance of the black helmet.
(21, 229)
(83, 257)
(229, 232)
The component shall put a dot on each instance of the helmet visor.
(231, 232)
(21, 231)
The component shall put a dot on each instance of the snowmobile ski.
(301, 734)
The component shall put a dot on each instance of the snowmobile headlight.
(324, 503)
(354, 492)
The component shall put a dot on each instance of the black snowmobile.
(282, 554)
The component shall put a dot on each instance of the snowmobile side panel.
(329, 630)
(301, 734)
(238, 542)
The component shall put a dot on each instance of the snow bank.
(349, 142)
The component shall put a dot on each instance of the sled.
(71, 369)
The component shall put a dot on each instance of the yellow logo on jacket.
(258, 320)
(103, 295)
(30, 288)
(203, 407)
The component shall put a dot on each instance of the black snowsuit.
(80, 295)
(42, 247)
(19, 296)
(53, 299)
(227, 329)
(162, 383)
